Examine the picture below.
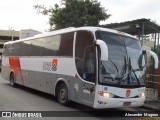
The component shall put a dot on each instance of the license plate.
(127, 104)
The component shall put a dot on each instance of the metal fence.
(153, 87)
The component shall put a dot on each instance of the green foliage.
(158, 50)
(76, 13)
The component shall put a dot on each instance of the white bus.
(97, 67)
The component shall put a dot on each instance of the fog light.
(105, 94)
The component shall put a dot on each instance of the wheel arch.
(58, 83)
(12, 81)
(12, 72)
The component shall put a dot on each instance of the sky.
(20, 14)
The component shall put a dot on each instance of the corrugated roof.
(134, 27)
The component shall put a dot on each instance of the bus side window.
(25, 48)
(15, 49)
(66, 44)
(84, 55)
(50, 46)
(6, 51)
(35, 48)
(89, 65)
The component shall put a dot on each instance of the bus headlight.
(105, 94)
(142, 94)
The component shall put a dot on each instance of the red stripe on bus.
(16, 67)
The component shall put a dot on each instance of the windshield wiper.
(117, 75)
(124, 69)
(130, 71)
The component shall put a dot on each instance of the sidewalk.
(153, 105)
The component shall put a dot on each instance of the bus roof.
(72, 29)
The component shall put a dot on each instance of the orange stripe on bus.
(16, 67)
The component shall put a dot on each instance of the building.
(28, 33)
(7, 35)
(12, 35)
(148, 45)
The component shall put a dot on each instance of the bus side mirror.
(104, 50)
(154, 55)
(144, 52)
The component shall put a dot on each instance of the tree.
(157, 50)
(76, 13)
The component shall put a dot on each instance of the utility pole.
(12, 30)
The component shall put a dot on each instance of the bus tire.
(62, 94)
(12, 80)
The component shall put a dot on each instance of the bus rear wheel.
(62, 94)
(12, 80)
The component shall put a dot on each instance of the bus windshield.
(125, 65)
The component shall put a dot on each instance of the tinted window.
(83, 40)
(35, 48)
(58, 45)
(110, 38)
(6, 51)
(1, 45)
(51, 46)
(117, 56)
(132, 43)
(85, 56)
(25, 48)
(15, 49)
(43, 49)
(66, 45)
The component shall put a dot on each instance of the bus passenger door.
(85, 65)
(89, 76)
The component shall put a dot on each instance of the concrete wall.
(28, 33)
(9, 33)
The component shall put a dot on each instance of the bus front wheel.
(12, 80)
(63, 94)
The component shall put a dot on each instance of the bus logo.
(50, 66)
(128, 92)
(54, 64)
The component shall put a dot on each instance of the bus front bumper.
(103, 103)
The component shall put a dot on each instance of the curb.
(150, 107)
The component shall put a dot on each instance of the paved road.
(25, 99)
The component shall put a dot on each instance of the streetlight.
(10, 28)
